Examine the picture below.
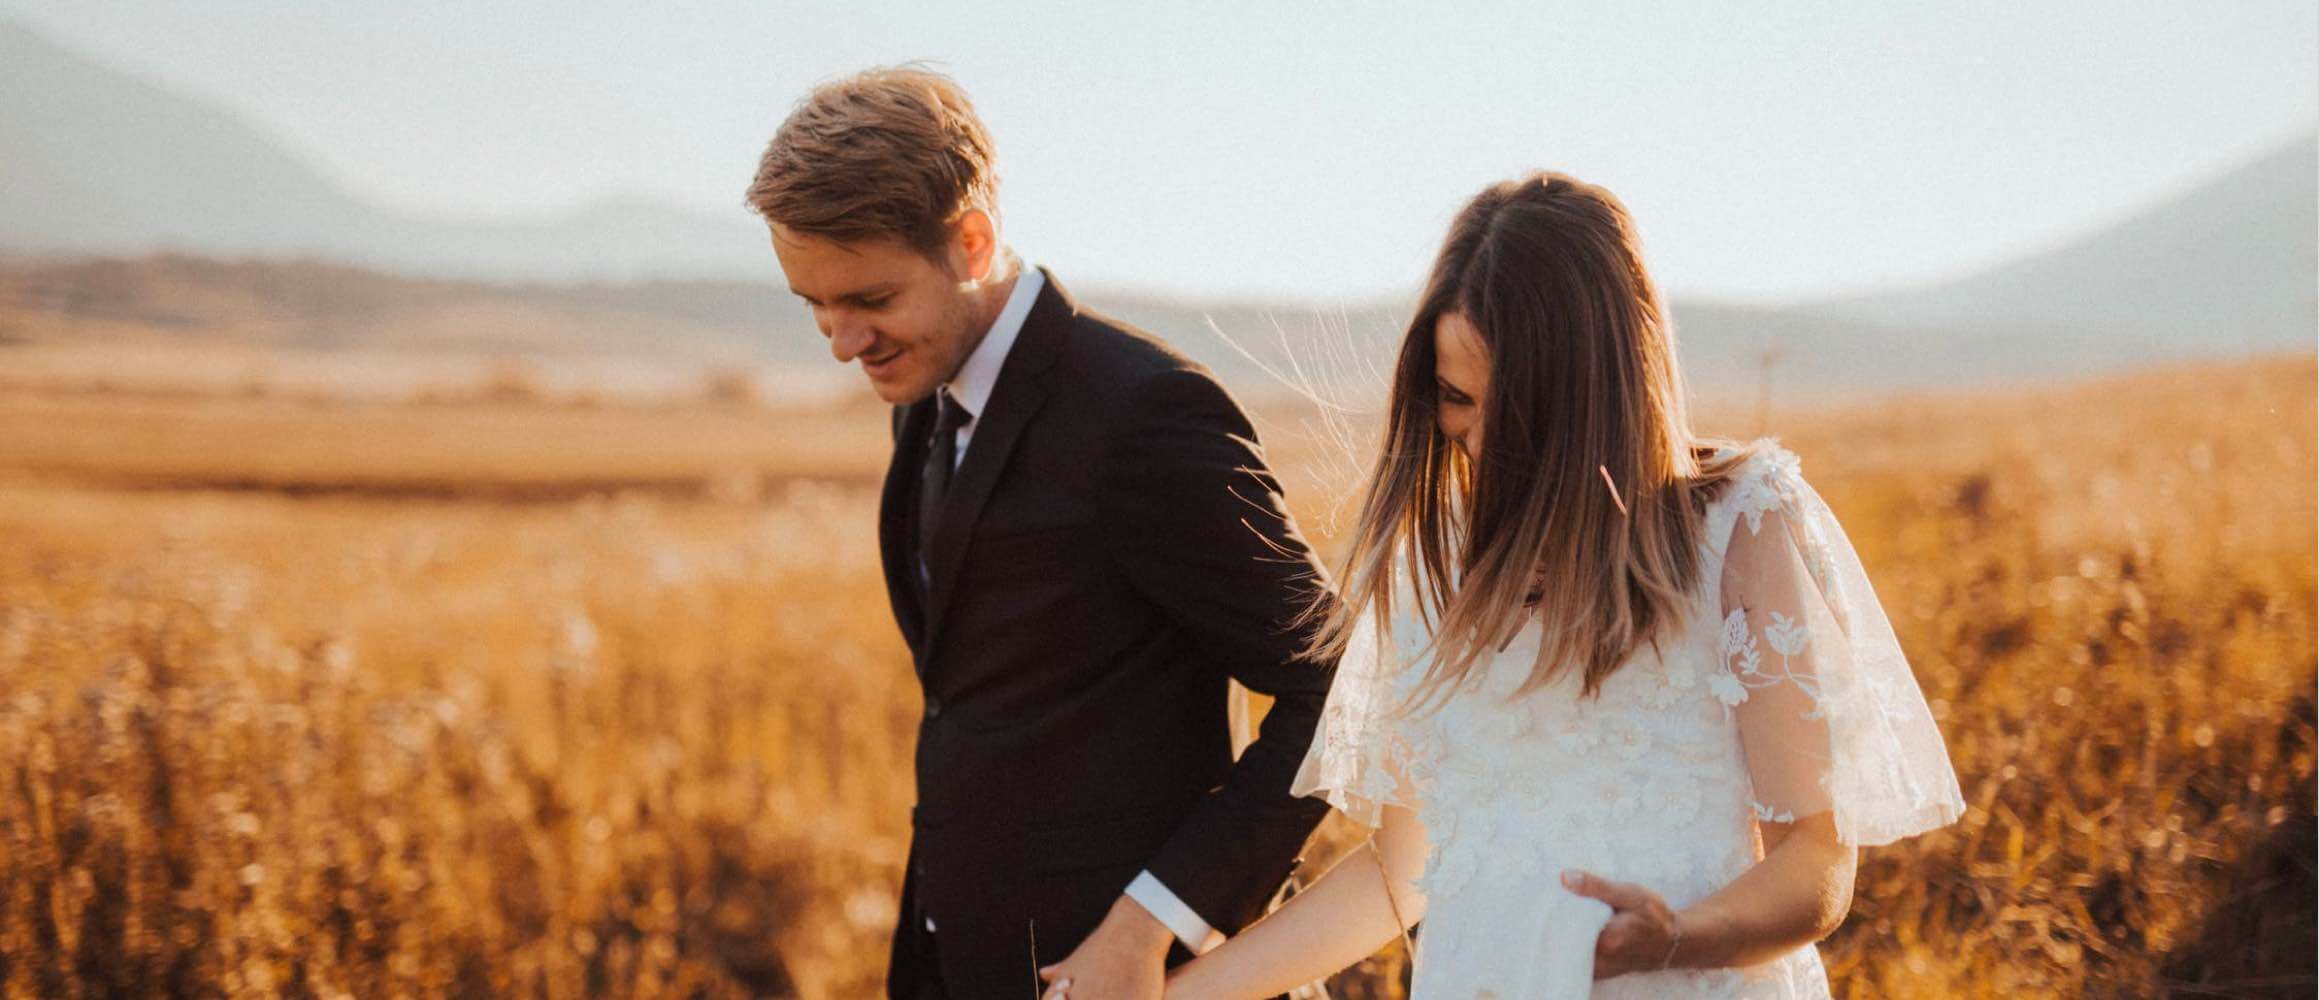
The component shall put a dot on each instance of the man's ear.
(974, 245)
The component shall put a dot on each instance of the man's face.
(907, 319)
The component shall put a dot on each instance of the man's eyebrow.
(858, 295)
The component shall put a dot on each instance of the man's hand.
(1125, 959)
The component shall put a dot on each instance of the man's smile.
(881, 364)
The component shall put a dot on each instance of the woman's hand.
(1795, 895)
(1643, 933)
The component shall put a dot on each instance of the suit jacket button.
(933, 707)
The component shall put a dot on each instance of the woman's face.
(1461, 382)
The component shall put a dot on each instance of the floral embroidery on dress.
(1786, 636)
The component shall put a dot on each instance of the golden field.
(364, 698)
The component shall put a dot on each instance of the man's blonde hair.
(887, 153)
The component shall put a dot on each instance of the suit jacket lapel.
(1021, 388)
(896, 521)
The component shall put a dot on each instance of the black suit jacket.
(1111, 550)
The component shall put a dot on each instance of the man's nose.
(849, 338)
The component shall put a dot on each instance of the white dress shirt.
(972, 387)
(979, 376)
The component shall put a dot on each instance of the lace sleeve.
(1359, 761)
(1830, 716)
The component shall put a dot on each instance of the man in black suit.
(1082, 545)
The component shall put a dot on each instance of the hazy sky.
(1770, 151)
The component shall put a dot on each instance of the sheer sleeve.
(1361, 755)
(1830, 716)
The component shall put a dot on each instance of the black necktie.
(934, 481)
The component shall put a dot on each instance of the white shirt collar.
(976, 379)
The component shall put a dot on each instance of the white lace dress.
(1784, 695)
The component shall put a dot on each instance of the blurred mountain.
(101, 162)
(258, 245)
(2231, 262)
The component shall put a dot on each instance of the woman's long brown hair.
(1588, 480)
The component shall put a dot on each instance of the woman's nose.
(1462, 436)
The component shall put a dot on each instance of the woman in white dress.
(1619, 703)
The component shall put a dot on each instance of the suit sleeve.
(1199, 527)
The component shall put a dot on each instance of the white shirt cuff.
(1197, 935)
